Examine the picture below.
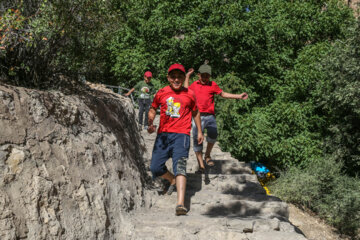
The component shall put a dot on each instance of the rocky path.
(225, 203)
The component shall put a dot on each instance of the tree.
(43, 40)
(340, 100)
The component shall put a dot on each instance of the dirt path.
(312, 227)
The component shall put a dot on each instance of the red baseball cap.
(177, 66)
(147, 74)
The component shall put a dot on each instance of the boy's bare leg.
(209, 147)
(199, 158)
(180, 187)
(169, 176)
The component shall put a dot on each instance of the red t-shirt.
(176, 109)
(205, 95)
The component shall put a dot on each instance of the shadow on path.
(194, 182)
(227, 167)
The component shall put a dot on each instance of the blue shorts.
(208, 122)
(170, 145)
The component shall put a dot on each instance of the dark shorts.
(208, 122)
(170, 145)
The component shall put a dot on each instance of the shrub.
(339, 99)
(323, 187)
(279, 134)
(42, 40)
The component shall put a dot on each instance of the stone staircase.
(227, 202)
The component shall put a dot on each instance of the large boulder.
(71, 165)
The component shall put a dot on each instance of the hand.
(200, 138)
(190, 71)
(244, 96)
(151, 129)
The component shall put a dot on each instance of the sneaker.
(200, 171)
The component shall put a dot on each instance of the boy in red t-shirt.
(205, 90)
(178, 105)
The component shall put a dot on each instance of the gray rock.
(275, 236)
(72, 166)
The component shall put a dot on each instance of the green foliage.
(328, 185)
(279, 134)
(43, 40)
(281, 123)
(258, 44)
(300, 82)
(339, 99)
(158, 84)
(322, 187)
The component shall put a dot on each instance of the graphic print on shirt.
(173, 108)
(144, 92)
(145, 89)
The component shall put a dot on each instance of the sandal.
(180, 210)
(209, 161)
(200, 170)
(171, 189)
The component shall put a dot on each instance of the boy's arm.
(129, 92)
(196, 116)
(243, 96)
(151, 117)
(187, 77)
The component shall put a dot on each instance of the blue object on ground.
(259, 168)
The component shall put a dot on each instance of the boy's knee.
(181, 166)
(198, 148)
(152, 169)
(210, 140)
(212, 134)
(157, 171)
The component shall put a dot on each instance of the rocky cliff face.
(71, 166)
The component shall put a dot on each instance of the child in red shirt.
(178, 106)
(205, 90)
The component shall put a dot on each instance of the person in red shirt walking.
(178, 106)
(204, 91)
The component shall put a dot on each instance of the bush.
(40, 41)
(322, 187)
(339, 99)
(279, 134)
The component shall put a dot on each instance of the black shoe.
(171, 189)
(200, 171)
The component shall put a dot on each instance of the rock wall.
(71, 165)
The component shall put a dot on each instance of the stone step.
(276, 236)
(223, 206)
(247, 194)
(164, 233)
(153, 218)
(204, 228)
(223, 167)
(239, 186)
(212, 178)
